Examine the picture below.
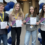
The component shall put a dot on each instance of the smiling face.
(31, 10)
(17, 7)
(1, 7)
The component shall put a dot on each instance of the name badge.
(31, 26)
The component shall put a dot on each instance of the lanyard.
(17, 16)
(2, 18)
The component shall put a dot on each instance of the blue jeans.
(27, 37)
(4, 38)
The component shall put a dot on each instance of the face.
(17, 7)
(31, 10)
(44, 8)
(1, 7)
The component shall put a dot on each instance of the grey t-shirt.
(28, 25)
(1, 30)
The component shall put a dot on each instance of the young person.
(16, 14)
(31, 29)
(42, 15)
(3, 17)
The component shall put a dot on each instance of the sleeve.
(23, 17)
(7, 19)
(26, 16)
(38, 18)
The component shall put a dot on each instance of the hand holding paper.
(3, 25)
(18, 23)
(33, 20)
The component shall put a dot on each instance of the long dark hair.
(42, 12)
(34, 14)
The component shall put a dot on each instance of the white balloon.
(9, 35)
(15, 1)
(8, 44)
(8, 12)
(1, 41)
(39, 35)
(41, 1)
(40, 10)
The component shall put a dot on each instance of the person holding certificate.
(42, 23)
(16, 18)
(3, 24)
(31, 20)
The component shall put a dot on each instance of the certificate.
(3, 25)
(18, 23)
(33, 20)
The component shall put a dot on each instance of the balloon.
(40, 10)
(9, 35)
(41, 1)
(7, 8)
(8, 3)
(39, 35)
(8, 0)
(11, 4)
(9, 29)
(10, 40)
(41, 41)
(39, 30)
(8, 12)
(41, 5)
(15, 1)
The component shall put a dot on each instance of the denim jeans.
(27, 37)
(4, 38)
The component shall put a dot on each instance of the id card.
(31, 26)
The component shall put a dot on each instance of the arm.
(38, 20)
(25, 18)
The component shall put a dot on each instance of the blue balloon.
(40, 8)
(11, 4)
(41, 41)
(9, 40)
(8, 3)
(7, 8)
(41, 5)
(9, 29)
(39, 30)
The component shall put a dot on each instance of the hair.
(20, 10)
(42, 12)
(34, 14)
(1, 3)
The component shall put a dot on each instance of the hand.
(24, 21)
(37, 23)
(22, 24)
(7, 27)
(11, 25)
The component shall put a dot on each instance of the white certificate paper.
(33, 20)
(18, 23)
(3, 25)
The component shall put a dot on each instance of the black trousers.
(16, 31)
(43, 37)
